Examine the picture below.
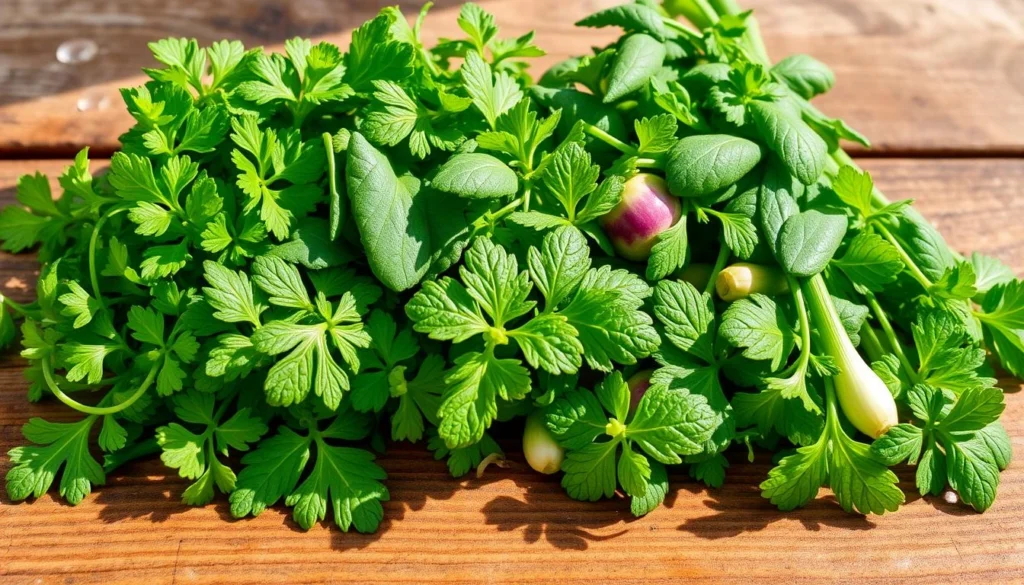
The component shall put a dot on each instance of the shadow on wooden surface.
(570, 529)
(538, 509)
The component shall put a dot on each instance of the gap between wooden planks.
(518, 526)
(916, 76)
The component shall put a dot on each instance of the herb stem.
(93, 238)
(832, 410)
(686, 31)
(334, 222)
(609, 139)
(720, 262)
(223, 407)
(912, 267)
(512, 206)
(801, 310)
(97, 410)
(890, 334)
(805, 327)
(696, 11)
(18, 307)
(647, 163)
(871, 344)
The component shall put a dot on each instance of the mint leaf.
(590, 471)
(759, 326)
(394, 217)
(870, 261)
(671, 423)
(476, 175)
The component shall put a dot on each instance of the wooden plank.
(516, 526)
(936, 76)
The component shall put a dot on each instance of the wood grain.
(516, 526)
(917, 76)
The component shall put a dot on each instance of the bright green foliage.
(701, 165)
(491, 300)
(342, 479)
(194, 455)
(637, 59)
(963, 445)
(606, 446)
(295, 256)
(859, 480)
(1003, 317)
(57, 445)
(311, 335)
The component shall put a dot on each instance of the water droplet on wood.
(76, 51)
(93, 102)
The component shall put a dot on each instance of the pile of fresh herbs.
(297, 256)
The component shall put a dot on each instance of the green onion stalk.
(863, 396)
(871, 409)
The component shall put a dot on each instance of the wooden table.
(937, 84)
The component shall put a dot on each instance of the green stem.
(683, 29)
(97, 410)
(832, 409)
(871, 344)
(609, 139)
(720, 262)
(512, 206)
(332, 185)
(894, 341)
(826, 319)
(699, 12)
(223, 407)
(801, 311)
(19, 308)
(912, 267)
(647, 163)
(527, 195)
(93, 238)
(753, 32)
(805, 329)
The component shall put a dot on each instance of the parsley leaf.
(57, 445)
(667, 424)
(195, 455)
(345, 479)
(962, 444)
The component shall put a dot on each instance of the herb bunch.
(296, 257)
